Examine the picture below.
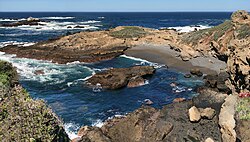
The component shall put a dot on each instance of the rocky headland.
(217, 114)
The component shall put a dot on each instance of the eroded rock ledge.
(171, 123)
(121, 77)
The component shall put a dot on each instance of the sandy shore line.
(164, 55)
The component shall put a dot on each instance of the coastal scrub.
(129, 32)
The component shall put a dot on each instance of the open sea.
(63, 86)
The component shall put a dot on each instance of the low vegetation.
(243, 108)
(243, 31)
(216, 32)
(21, 117)
(7, 74)
(129, 32)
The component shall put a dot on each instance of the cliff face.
(21, 117)
(230, 42)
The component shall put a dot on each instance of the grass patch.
(129, 32)
(217, 32)
(243, 108)
(243, 31)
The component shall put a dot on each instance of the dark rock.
(79, 26)
(120, 77)
(30, 21)
(148, 102)
(196, 72)
(187, 75)
(69, 27)
(217, 81)
(136, 82)
(39, 72)
(171, 123)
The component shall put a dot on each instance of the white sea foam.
(98, 123)
(71, 129)
(6, 43)
(11, 20)
(185, 29)
(101, 17)
(21, 34)
(90, 22)
(51, 73)
(53, 25)
(143, 62)
(56, 18)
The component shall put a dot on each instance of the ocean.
(63, 87)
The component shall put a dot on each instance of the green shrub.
(243, 31)
(129, 32)
(243, 109)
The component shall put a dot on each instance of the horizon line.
(119, 11)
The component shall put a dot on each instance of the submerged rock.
(121, 77)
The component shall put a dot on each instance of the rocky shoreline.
(217, 114)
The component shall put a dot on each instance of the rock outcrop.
(21, 117)
(121, 77)
(226, 119)
(171, 123)
(229, 42)
(29, 21)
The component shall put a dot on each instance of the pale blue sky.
(124, 5)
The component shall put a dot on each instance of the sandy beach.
(164, 55)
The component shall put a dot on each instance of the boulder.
(194, 114)
(178, 100)
(136, 82)
(121, 77)
(209, 140)
(30, 21)
(207, 113)
(148, 102)
(196, 72)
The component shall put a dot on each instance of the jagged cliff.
(230, 42)
(21, 117)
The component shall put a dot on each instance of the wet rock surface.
(29, 21)
(121, 77)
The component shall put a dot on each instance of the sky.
(124, 5)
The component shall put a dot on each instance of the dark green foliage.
(21, 117)
(8, 74)
(129, 32)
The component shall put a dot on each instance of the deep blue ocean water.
(63, 86)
